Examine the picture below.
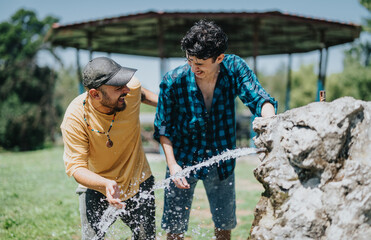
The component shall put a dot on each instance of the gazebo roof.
(158, 34)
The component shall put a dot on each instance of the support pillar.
(288, 85)
(79, 74)
(322, 68)
(90, 45)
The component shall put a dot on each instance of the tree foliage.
(366, 4)
(66, 89)
(26, 89)
(366, 47)
(303, 86)
(354, 81)
(275, 85)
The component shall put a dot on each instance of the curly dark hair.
(205, 40)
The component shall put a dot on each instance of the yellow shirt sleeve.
(75, 138)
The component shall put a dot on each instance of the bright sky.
(70, 11)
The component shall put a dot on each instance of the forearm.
(174, 167)
(149, 97)
(90, 179)
(267, 110)
(168, 150)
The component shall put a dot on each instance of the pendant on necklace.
(109, 143)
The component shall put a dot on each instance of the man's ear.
(94, 93)
(220, 58)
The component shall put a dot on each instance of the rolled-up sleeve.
(163, 120)
(251, 93)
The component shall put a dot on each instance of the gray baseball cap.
(103, 70)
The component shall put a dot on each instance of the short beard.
(107, 103)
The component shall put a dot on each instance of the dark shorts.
(221, 196)
(139, 213)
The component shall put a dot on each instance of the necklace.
(109, 142)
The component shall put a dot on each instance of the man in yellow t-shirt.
(103, 149)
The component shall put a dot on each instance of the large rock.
(316, 172)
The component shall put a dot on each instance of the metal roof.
(158, 34)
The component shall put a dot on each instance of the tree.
(276, 85)
(366, 4)
(26, 89)
(303, 86)
(66, 89)
(366, 47)
(354, 81)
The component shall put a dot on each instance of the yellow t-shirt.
(125, 162)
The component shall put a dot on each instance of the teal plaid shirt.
(196, 134)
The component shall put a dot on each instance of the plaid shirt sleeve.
(162, 123)
(250, 91)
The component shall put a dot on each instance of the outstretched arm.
(94, 181)
(149, 97)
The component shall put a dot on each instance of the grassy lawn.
(38, 200)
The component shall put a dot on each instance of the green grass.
(38, 200)
(144, 108)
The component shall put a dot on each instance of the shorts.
(139, 215)
(220, 193)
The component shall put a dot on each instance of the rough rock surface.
(316, 172)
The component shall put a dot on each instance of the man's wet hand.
(113, 194)
(180, 182)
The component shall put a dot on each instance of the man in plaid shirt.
(195, 120)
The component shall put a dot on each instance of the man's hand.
(113, 194)
(174, 168)
(94, 181)
(180, 182)
(268, 110)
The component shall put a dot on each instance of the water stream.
(111, 213)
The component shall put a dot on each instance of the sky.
(72, 11)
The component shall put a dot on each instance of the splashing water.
(108, 218)
(228, 154)
(111, 213)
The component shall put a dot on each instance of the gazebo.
(250, 34)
